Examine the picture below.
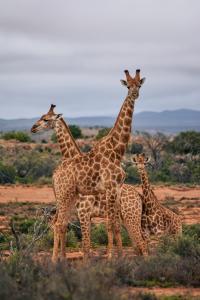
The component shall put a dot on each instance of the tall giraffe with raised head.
(156, 219)
(94, 172)
(95, 206)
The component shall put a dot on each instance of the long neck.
(148, 195)
(120, 133)
(68, 146)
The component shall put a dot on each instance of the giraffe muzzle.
(34, 129)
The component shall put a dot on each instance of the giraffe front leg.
(60, 234)
(85, 223)
(135, 234)
(113, 221)
(110, 239)
(56, 244)
(117, 230)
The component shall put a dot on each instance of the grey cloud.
(76, 51)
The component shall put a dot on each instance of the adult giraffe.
(96, 172)
(95, 206)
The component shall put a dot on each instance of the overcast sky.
(73, 53)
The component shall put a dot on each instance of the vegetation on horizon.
(173, 160)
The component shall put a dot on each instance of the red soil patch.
(45, 194)
(179, 291)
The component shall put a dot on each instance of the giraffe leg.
(60, 233)
(118, 233)
(56, 244)
(135, 235)
(110, 239)
(85, 229)
(60, 226)
(113, 221)
(63, 230)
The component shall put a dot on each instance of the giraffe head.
(47, 121)
(133, 83)
(140, 160)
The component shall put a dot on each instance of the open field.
(24, 201)
(185, 199)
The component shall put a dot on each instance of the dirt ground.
(178, 291)
(45, 194)
(186, 199)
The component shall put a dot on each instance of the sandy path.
(45, 193)
(180, 291)
(26, 194)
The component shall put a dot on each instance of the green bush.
(185, 142)
(132, 175)
(72, 240)
(125, 237)
(17, 135)
(7, 173)
(99, 235)
(135, 148)
(102, 132)
(75, 131)
(192, 231)
(26, 225)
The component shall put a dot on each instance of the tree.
(75, 131)
(7, 174)
(102, 132)
(155, 144)
(135, 148)
(17, 135)
(185, 142)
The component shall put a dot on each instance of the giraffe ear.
(58, 116)
(123, 82)
(142, 81)
(147, 160)
(133, 159)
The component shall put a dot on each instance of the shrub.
(125, 237)
(26, 225)
(17, 135)
(132, 175)
(7, 174)
(135, 148)
(75, 131)
(102, 132)
(185, 142)
(99, 235)
(72, 240)
(192, 231)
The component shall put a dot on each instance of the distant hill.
(166, 121)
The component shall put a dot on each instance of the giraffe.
(95, 172)
(130, 209)
(130, 201)
(156, 219)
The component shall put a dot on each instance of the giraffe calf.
(130, 210)
(156, 218)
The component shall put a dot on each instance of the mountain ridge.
(164, 121)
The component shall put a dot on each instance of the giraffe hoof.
(110, 255)
(54, 260)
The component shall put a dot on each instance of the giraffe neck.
(120, 133)
(68, 146)
(148, 194)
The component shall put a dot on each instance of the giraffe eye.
(45, 120)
